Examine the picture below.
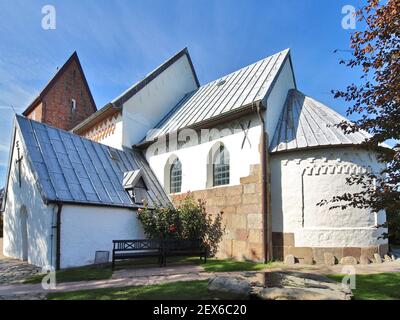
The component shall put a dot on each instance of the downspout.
(267, 236)
(58, 236)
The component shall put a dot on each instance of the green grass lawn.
(77, 274)
(380, 286)
(212, 265)
(193, 290)
(215, 265)
(104, 272)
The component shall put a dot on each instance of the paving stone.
(329, 259)
(15, 271)
(377, 258)
(349, 260)
(364, 259)
(290, 259)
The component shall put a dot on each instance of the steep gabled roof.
(73, 57)
(116, 104)
(307, 123)
(71, 169)
(231, 93)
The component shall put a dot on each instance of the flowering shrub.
(189, 220)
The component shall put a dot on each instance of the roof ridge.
(287, 50)
(244, 87)
(59, 72)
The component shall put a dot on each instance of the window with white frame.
(175, 177)
(221, 166)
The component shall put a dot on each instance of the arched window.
(175, 177)
(221, 166)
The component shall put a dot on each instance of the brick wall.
(242, 216)
(36, 114)
(56, 104)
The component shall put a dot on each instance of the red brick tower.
(66, 100)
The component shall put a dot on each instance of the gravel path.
(14, 271)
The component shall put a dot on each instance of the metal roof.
(224, 95)
(69, 168)
(307, 123)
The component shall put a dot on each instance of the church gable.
(66, 100)
(143, 104)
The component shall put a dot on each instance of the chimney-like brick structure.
(66, 100)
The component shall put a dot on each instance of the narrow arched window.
(175, 176)
(221, 167)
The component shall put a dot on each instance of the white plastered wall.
(40, 217)
(114, 138)
(275, 101)
(146, 108)
(299, 180)
(194, 158)
(87, 229)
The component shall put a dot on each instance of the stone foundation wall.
(284, 244)
(242, 216)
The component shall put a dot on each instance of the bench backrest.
(136, 245)
(186, 244)
(145, 244)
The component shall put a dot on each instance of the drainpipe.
(58, 236)
(266, 220)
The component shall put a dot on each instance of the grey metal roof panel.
(235, 90)
(70, 168)
(306, 123)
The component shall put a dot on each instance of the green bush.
(189, 220)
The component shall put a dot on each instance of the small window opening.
(220, 83)
(113, 154)
(73, 105)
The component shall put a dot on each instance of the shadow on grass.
(76, 274)
(192, 290)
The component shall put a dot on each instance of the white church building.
(249, 143)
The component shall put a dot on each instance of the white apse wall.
(301, 179)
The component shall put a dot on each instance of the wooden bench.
(130, 249)
(184, 248)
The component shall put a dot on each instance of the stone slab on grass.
(278, 286)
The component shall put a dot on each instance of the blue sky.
(118, 42)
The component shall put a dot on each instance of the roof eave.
(108, 110)
(97, 204)
(227, 116)
(319, 147)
